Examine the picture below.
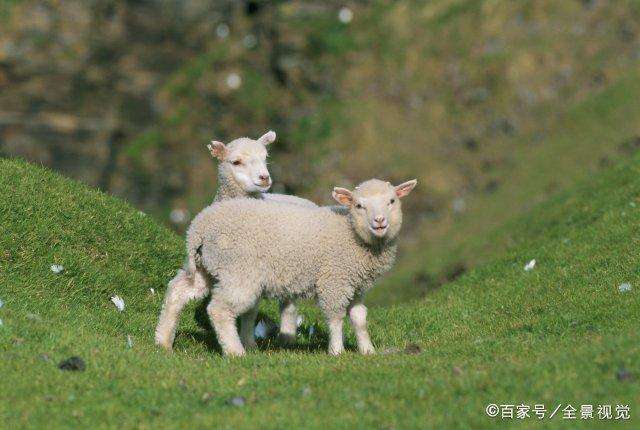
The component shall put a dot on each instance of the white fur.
(180, 291)
(257, 248)
(234, 180)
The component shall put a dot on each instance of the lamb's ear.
(405, 188)
(342, 196)
(268, 137)
(217, 149)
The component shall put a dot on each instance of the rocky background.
(124, 95)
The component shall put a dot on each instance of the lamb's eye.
(236, 162)
(392, 201)
(358, 206)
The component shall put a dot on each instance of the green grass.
(593, 133)
(557, 334)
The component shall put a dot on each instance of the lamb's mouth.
(262, 188)
(379, 230)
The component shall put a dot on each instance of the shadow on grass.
(207, 338)
(201, 317)
(318, 341)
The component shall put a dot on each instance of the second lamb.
(258, 248)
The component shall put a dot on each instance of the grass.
(593, 134)
(562, 333)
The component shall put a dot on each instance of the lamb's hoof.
(335, 351)
(234, 352)
(165, 345)
(367, 350)
(287, 339)
(164, 341)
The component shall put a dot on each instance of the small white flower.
(624, 287)
(129, 341)
(345, 15)
(118, 302)
(222, 31)
(632, 204)
(233, 81)
(142, 213)
(261, 330)
(57, 268)
(299, 321)
(530, 265)
(152, 291)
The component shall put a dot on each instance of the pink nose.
(380, 219)
(264, 178)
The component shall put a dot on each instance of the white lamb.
(242, 172)
(255, 248)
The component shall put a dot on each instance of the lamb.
(242, 172)
(258, 248)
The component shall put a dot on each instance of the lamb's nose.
(264, 178)
(380, 219)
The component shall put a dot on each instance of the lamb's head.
(375, 209)
(244, 161)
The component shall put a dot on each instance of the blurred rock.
(413, 348)
(491, 186)
(471, 144)
(72, 364)
(624, 375)
(338, 82)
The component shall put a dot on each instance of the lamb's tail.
(194, 246)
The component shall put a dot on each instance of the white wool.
(256, 248)
(229, 187)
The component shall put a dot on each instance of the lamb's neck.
(379, 257)
(383, 252)
(229, 189)
(374, 262)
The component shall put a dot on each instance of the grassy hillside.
(561, 333)
(591, 136)
(494, 103)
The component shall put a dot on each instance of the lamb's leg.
(225, 306)
(247, 328)
(334, 310)
(288, 321)
(358, 317)
(180, 291)
(336, 343)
